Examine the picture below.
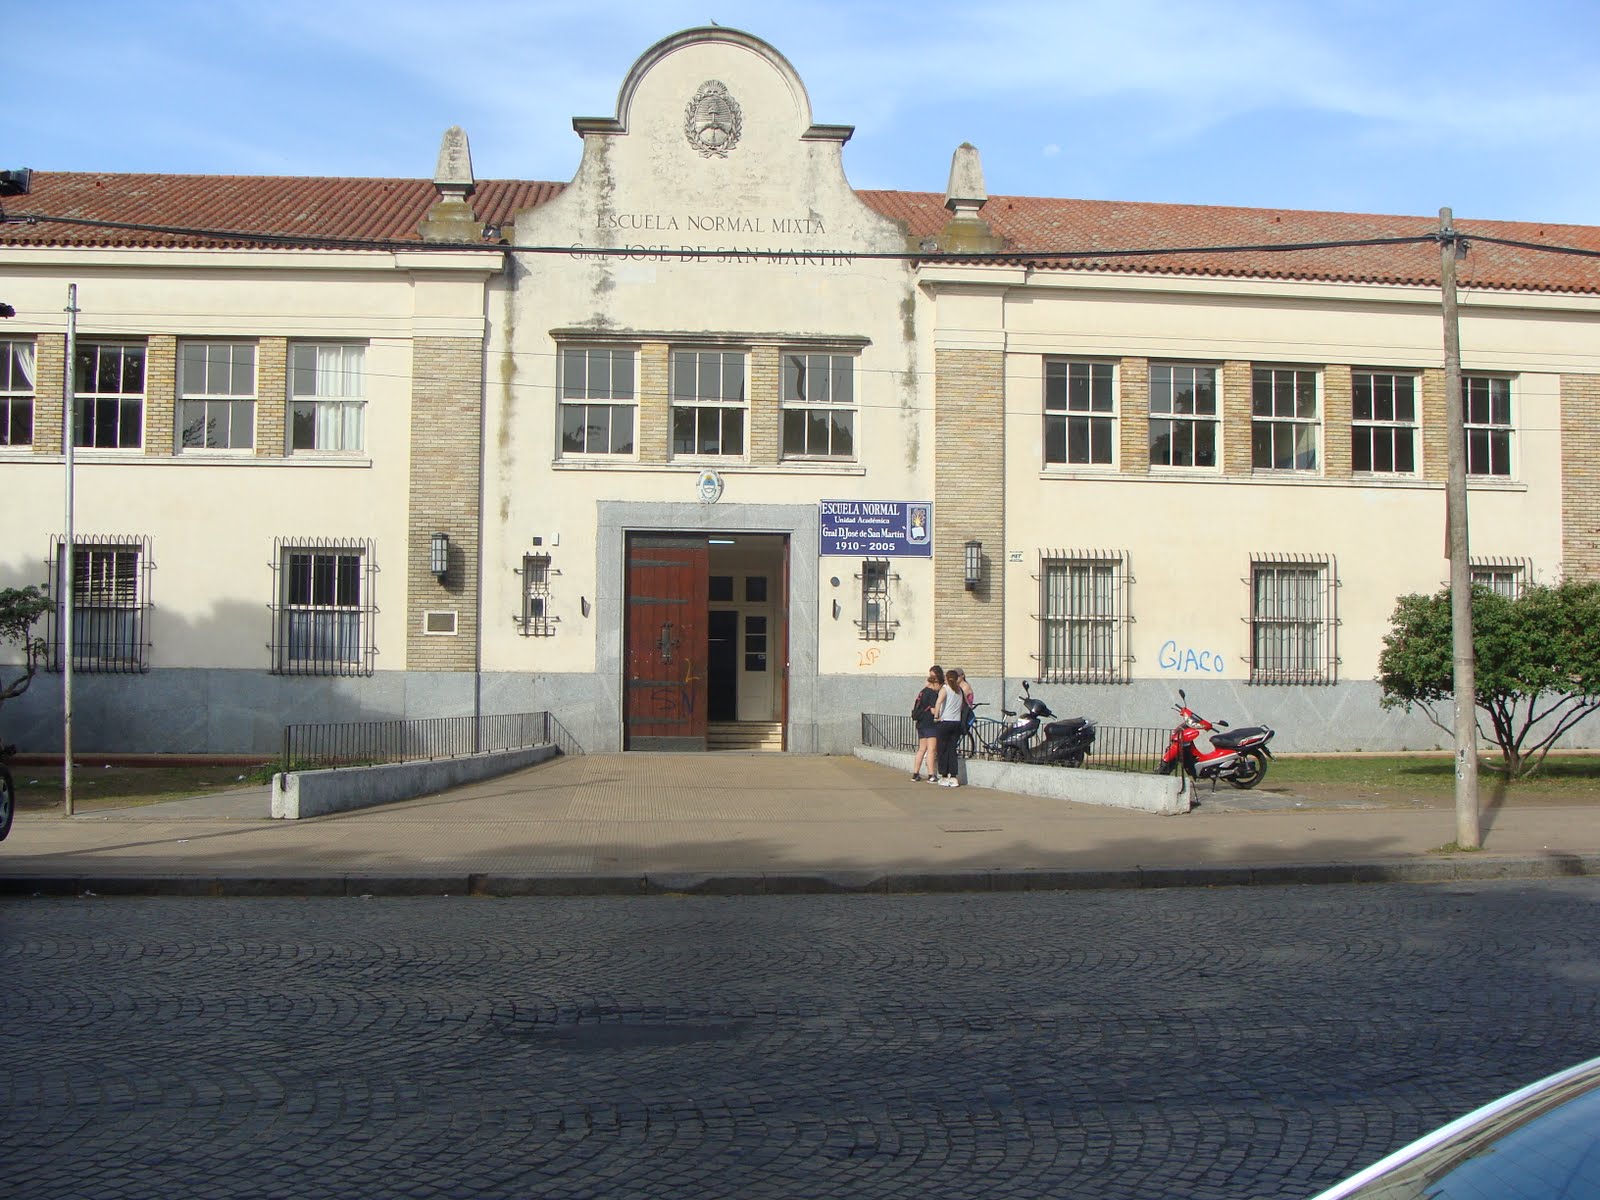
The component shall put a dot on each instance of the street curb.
(1441, 869)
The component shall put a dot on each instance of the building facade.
(706, 439)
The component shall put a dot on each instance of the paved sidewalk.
(753, 823)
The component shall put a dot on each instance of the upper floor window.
(1083, 618)
(323, 608)
(108, 383)
(217, 396)
(708, 402)
(16, 393)
(1383, 423)
(327, 391)
(598, 401)
(110, 603)
(1183, 415)
(1292, 620)
(1487, 404)
(1283, 419)
(1079, 413)
(819, 396)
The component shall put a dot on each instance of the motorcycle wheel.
(1252, 769)
(8, 802)
(1013, 754)
(1165, 768)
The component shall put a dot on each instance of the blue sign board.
(877, 528)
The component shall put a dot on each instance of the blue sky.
(1352, 105)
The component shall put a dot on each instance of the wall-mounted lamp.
(439, 555)
(974, 565)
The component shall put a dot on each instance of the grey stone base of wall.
(244, 712)
(318, 793)
(1111, 789)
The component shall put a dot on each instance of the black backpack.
(920, 709)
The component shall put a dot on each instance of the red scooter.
(1239, 757)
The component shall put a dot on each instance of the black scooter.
(1065, 743)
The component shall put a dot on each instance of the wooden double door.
(699, 648)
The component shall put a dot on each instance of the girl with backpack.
(922, 712)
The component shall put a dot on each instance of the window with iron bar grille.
(875, 624)
(1083, 618)
(1292, 621)
(323, 611)
(537, 620)
(1508, 577)
(110, 604)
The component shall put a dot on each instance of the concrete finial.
(966, 193)
(454, 172)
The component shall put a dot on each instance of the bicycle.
(969, 744)
(8, 792)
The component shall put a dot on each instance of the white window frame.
(18, 375)
(819, 405)
(216, 390)
(1080, 413)
(721, 399)
(1196, 418)
(1508, 577)
(595, 400)
(330, 416)
(1284, 418)
(1293, 622)
(1083, 617)
(119, 408)
(1490, 439)
(1377, 428)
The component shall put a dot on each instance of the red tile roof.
(307, 211)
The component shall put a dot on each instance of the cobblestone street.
(1254, 1042)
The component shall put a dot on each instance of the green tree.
(19, 609)
(1538, 664)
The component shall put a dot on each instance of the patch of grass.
(39, 788)
(1433, 777)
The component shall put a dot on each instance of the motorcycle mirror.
(1025, 687)
(1182, 696)
(1224, 724)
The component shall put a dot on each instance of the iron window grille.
(1283, 419)
(110, 604)
(1079, 414)
(1084, 617)
(1383, 423)
(536, 619)
(598, 400)
(1293, 618)
(216, 396)
(876, 623)
(108, 407)
(16, 393)
(1487, 426)
(819, 396)
(708, 403)
(1508, 577)
(323, 609)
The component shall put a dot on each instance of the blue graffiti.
(1187, 659)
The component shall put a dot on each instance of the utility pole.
(1452, 247)
(69, 553)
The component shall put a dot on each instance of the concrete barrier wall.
(318, 793)
(1111, 789)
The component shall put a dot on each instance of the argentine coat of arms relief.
(712, 120)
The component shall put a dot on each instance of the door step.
(745, 735)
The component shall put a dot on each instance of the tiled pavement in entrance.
(731, 823)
